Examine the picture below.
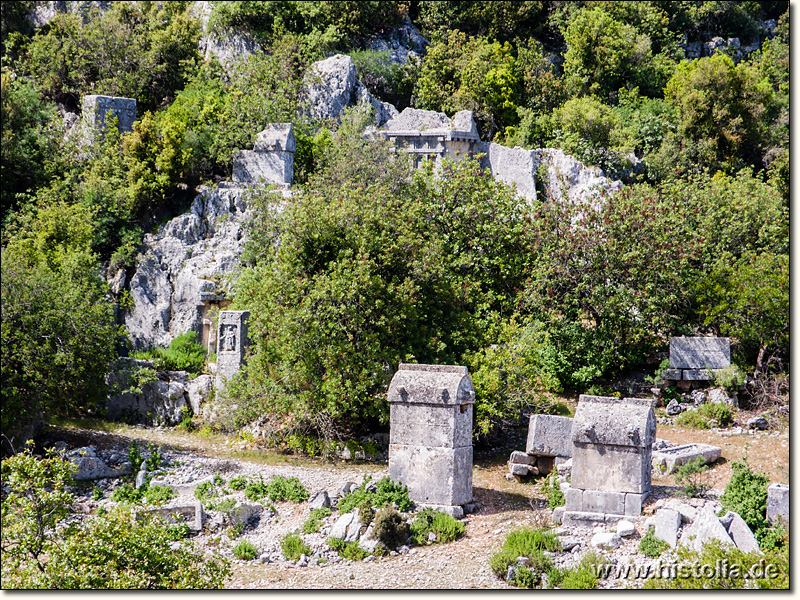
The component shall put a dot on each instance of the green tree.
(58, 329)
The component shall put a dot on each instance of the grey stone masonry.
(232, 343)
(95, 110)
(272, 158)
(697, 358)
(778, 503)
(611, 458)
(667, 460)
(430, 446)
(549, 435)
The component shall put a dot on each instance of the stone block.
(442, 426)
(633, 504)
(276, 137)
(574, 518)
(604, 502)
(699, 353)
(742, 536)
(520, 470)
(263, 167)
(698, 375)
(95, 109)
(611, 468)
(232, 343)
(671, 374)
(545, 464)
(574, 499)
(607, 540)
(522, 458)
(668, 522)
(778, 503)
(705, 528)
(558, 514)
(433, 475)
(667, 460)
(190, 513)
(609, 421)
(549, 435)
(448, 385)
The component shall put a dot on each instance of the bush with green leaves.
(700, 417)
(293, 547)
(245, 550)
(348, 550)
(650, 545)
(390, 528)
(530, 543)
(746, 494)
(238, 483)
(445, 527)
(552, 489)
(184, 353)
(690, 476)
(386, 492)
(314, 521)
(278, 489)
(746, 571)
(582, 576)
(115, 550)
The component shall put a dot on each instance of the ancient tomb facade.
(95, 109)
(272, 158)
(611, 459)
(232, 342)
(430, 447)
(696, 359)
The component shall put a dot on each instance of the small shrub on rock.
(238, 483)
(445, 527)
(245, 550)
(651, 546)
(390, 528)
(293, 547)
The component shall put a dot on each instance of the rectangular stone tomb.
(272, 158)
(549, 435)
(430, 446)
(697, 353)
(191, 514)
(95, 109)
(612, 441)
(232, 343)
(667, 461)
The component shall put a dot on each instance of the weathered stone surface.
(688, 513)
(606, 540)
(433, 475)
(522, 470)
(742, 536)
(612, 442)
(778, 503)
(625, 528)
(95, 109)
(668, 522)
(332, 85)
(160, 401)
(604, 502)
(671, 374)
(319, 499)
(401, 42)
(558, 515)
(565, 469)
(574, 518)
(549, 435)
(347, 527)
(757, 423)
(183, 263)
(633, 504)
(88, 466)
(243, 512)
(697, 375)
(457, 512)
(513, 166)
(198, 390)
(699, 353)
(705, 528)
(190, 513)
(573, 499)
(674, 408)
(668, 460)
(263, 167)
(232, 343)
(430, 425)
(522, 458)
(569, 179)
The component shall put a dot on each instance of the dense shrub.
(184, 353)
(293, 547)
(651, 546)
(386, 492)
(445, 527)
(746, 494)
(529, 543)
(245, 550)
(112, 551)
(278, 489)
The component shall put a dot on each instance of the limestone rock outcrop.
(333, 85)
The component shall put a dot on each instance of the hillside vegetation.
(378, 264)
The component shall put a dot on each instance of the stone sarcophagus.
(95, 109)
(232, 342)
(696, 359)
(430, 447)
(272, 158)
(611, 458)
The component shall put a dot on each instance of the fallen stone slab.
(190, 513)
(606, 540)
(668, 522)
(243, 512)
(705, 528)
(667, 460)
(347, 527)
(742, 536)
(522, 458)
(319, 499)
